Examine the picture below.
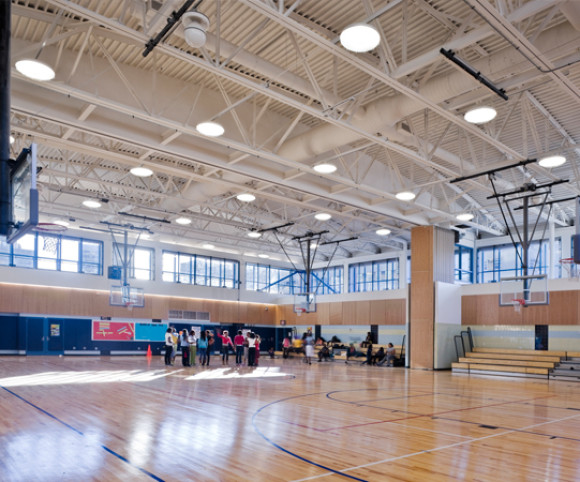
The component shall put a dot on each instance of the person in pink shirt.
(239, 342)
(257, 359)
(226, 343)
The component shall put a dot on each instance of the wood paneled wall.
(375, 312)
(93, 303)
(563, 309)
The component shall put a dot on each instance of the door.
(44, 336)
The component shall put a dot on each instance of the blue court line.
(112, 452)
(311, 462)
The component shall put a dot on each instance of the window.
(141, 261)
(463, 264)
(270, 279)
(374, 275)
(54, 253)
(200, 270)
(503, 261)
(327, 282)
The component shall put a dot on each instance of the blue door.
(44, 336)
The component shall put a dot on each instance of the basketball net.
(300, 311)
(517, 304)
(570, 269)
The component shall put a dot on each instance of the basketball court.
(280, 421)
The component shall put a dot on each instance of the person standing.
(251, 349)
(175, 345)
(192, 347)
(308, 340)
(239, 342)
(286, 347)
(168, 346)
(258, 340)
(185, 348)
(226, 343)
(202, 348)
(210, 341)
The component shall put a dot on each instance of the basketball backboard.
(24, 195)
(528, 290)
(126, 295)
(305, 303)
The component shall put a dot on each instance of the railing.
(461, 338)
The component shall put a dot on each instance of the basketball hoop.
(569, 269)
(50, 243)
(517, 304)
(299, 311)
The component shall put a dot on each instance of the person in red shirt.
(239, 342)
(226, 343)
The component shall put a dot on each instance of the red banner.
(113, 330)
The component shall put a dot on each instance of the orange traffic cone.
(149, 354)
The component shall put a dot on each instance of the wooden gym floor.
(108, 419)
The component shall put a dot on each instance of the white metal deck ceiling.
(290, 96)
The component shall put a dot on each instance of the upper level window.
(200, 270)
(141, 261)
(54, 252)
(463, 264)
(374, 275)
(270, 279)
(503, 261)
(327, 281)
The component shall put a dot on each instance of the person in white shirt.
(192, 348)
(168, 346)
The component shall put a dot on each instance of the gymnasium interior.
(356, 175)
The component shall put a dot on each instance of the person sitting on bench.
(351, 352)
(369, 360)
(390, 356)
(324, 352)
(379, 356)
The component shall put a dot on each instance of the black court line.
(293, 454)
(104, 447)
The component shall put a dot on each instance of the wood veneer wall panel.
(349, 312)
(363, 312)
(323, 313)
(395, 312)
(378, 309)
(335, 315)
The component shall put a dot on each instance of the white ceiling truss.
(290, 97)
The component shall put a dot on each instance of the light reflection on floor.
(86, 377)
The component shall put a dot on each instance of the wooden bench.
(480, 368)
(509, 351)
(495, 356)
(521, 363)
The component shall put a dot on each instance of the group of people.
(381, 356)
(246, 348)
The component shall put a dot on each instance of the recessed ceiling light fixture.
(208, 246)
(91, 203)
(183, 221)
(552, 161)
(246, 197)
(325, 168)
(263, 256)
(323, 216)
(254, 234)
(313, 245)
(35, 70)
(383, 231)
(405, 196)
(210, 129)
(141, 171)
(465, 216)
(360, 37)
(12, 139)
(480, 115)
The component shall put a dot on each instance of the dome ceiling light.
(552, 161)
(141, 171)
(325, 168)
(360, 37)
(405, 196)
(35, 70)
(246, 197)
(195, 25)
(91, 203)
(183, 221)
(208, 246)
(210, 129)
(323, 216)
(383, 232)
(480, 115)
(465, 216)
(254, 234)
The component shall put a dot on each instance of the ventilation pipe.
(385, 113)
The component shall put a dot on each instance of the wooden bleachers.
(511, 362)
